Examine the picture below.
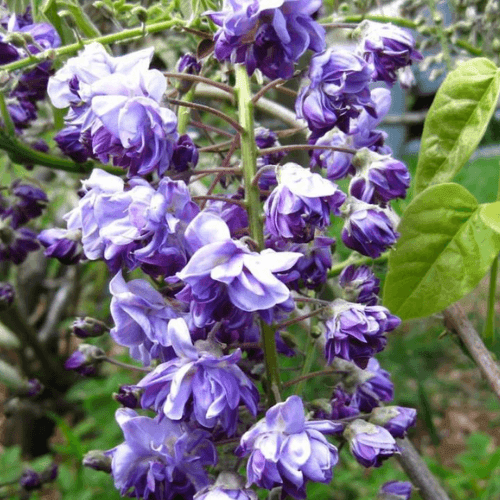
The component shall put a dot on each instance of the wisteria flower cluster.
(218, 278)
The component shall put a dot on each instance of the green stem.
(105, 40)
(24, 155)
(184, 113)
(252, 200)
(310, 356)
(338, 268)
(7, 119)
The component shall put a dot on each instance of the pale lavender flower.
(337, 93)
(228, 486)
(355, 332)
(270, 37)
(200, 380)
(141, 316)
(300, 203)
(373, 386)
(62, 244)
(286, 450)
(160, 459)
(370, 444)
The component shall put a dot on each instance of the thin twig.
(307, 376)
(286, 324)
(219, 170)
(457, 321)
(266, 88)
(124, 365)
(304, 147)
(219, 198)
(198, 78)
(211, 128)
(208, 109)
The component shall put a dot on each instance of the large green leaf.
(445, 249)
(457, 120)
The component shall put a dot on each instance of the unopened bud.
(15, 38)
(141, 13)
(34, 388)
(85, 360)
(7, 296)
(97, 460)
(30, 480)
(129, 396)
(89, 327)
(50, 473)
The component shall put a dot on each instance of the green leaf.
(445, 249)
(457, 120)
(490, 215)
(82, 21)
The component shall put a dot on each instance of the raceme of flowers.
(194, 320)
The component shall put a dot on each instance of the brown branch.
(208, 109)
(202, 79)
(265, 88)
(418, 472)
(457, 321)
(211, 128)
(219, 198)
(304, 147)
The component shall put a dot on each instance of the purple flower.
(22, 112)
(378, 179)
(85, 360)
(359, 284)
(7, 295)
(129, 396)
(62, 244)
(141, 318)
(227, 487)
(361, 134)
(342, 405)
(301, 203)
(265, 138)
(31, 200)
(30, 480)
(396, 419)
(222, 269)
(369, 229)
(190, 65)
(84, 328)
(395, 490)
(35, 387)
(337, 93)
(185, 155)
(202, 379)
(69, 141)
(268, 37)
(286, 450)
(235, 216)
(387, 48)
(370, 444)
(355, 332)
(16, 244)
(160, 459)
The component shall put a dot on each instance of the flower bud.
(62, 245)
(85, 360)
(395, 490)
(370, 444)
(7, 295)
(360, 285)
(30, 480)
(185, 156)
(50, 473)
(395, 419)
(89, 327)
(35, 388)
(97, 460)
(190, 65)
(129, 396)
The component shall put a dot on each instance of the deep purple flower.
(202, 379)
(190, 65)
(69, 141)
(16, 244)
(396, 419)
(265, 138)
(85, 360)
(185, 155)
(22, 112)
(62, 244)
(361, 134)
(387, 48)
(35, 387)
(378, 178)
(141, 316)
(268, 37)
(337, 93)
(30, 480)
(286, 450)
(395, 490)
(235, 216)
(301, 203)
(50, 473)
(160, 459)
(84, 328)
(355, 332)
(222, 270)
(129, 396)
(359, 284)
(7, 295)
(369, 229)
(31, 200)
(370, 444)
